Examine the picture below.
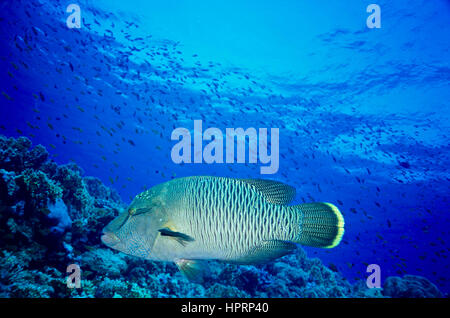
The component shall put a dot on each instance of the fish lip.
(109, 239)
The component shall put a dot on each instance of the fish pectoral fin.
(266, 251)
(192, 269)
(178, 236)
(273, 191)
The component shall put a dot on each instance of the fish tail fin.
(321, 225)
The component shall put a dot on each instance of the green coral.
(74, 190)
(39, 188)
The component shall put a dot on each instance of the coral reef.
(410, 286)
(51, 216)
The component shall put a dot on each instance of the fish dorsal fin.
(192, 269)
(274, 191)
(181, 238)
(266, 251)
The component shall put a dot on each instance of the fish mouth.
(110, 239)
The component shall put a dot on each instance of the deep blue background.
(363, 113)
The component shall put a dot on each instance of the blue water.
(363, 113)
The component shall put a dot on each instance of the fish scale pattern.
(231, 217)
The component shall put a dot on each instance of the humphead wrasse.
(241, 221)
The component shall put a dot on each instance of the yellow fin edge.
(340, 226)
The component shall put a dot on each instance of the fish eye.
(137, 211)
(131, 211)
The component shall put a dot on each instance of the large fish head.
(135, 230)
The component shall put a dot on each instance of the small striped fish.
(242, 221)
